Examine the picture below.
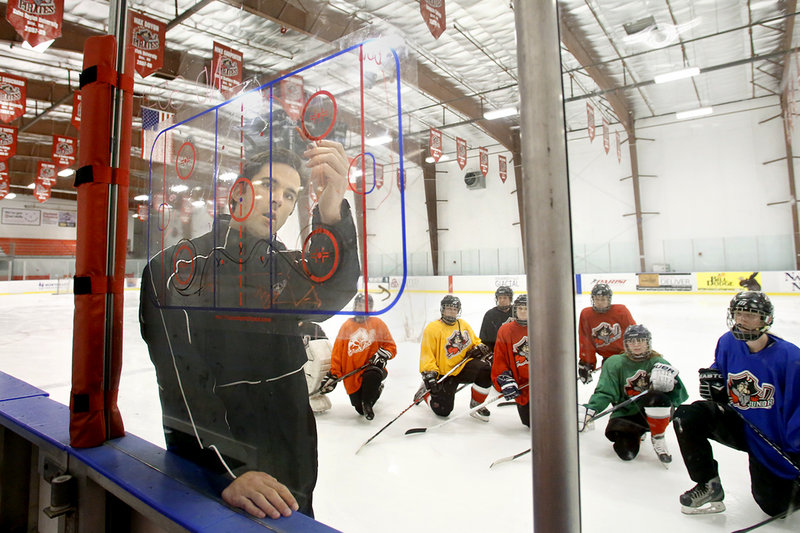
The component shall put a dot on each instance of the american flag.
(154, 121)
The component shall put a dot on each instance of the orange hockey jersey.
(512, 352)
(601, 333)
(355, 344)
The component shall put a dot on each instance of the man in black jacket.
(221, 314)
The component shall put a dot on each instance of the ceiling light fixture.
(378, 141)
(179, 188)
(693, 113)
(141, 198)
(762, 4)
(65, 172)
(430, 159)
(500, 113)
(11, 196)
(41, 47)
(677, 75)
(32, 186)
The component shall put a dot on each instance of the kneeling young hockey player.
(638, 369)
(510, 366)
(363, 342)
(751, 402)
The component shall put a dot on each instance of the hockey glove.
(662, 377)
(480, 351)
(328, 383)
(585, 372)
(585, 416)
(712, 386)
(508, 386)
(380, 357)
(429, 379)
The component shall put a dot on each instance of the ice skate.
(660, 447)
(481, 414)
(369, 414)
(704, 498)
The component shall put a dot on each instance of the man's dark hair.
(279, 155)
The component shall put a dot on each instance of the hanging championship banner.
(378, 175)
(400, 184)
(36, 21)
(8, 142)
(3, 188)
(503, 167)
(484, 159)
(619, 147)
(12, 96)
(226, 69)
(46, 172)
(293, 98)
(461, 152)
(76, 110)
(590, 121)
(434, 16)
(4, 171)
(41, 189)
(146, 41)
(65, 149)
(436, 144)
(606, 139)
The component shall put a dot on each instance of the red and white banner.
(76, 110)
(142, 211)
(590, 121)
(8, 142)
(65, 150)
(503, 167)
(400, 184)
(226, 69)
(41, 190)
(606, 139)
(46, 172)
(436, 144)
(434, 16)
(4, 188)
(484, 160)
(4, 171)
(146, 40)
(293, 96)
(378, 175)
(461, 152)
(12, 96)
(36, 21)
(619, 147)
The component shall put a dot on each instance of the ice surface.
(440, 480)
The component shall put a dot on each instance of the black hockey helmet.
(521, 301)
(450, 301)
(638, 332)
(753, 302)
(601, 289)
(504, 290)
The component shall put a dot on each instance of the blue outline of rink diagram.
(362, 155)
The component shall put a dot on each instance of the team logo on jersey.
(521, 351)
(457, 341)
(639, 382)
(605, 333)
(746, 393)
(359, 340)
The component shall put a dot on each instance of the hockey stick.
(767, 440)
(337, 380)
(472, 410)
(415, 402)
(510, 457)
(595, 417)
(764, 522)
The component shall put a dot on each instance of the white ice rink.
(441, 481)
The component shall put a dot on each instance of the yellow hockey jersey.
(443, 346)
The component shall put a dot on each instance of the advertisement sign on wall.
(728, 281)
